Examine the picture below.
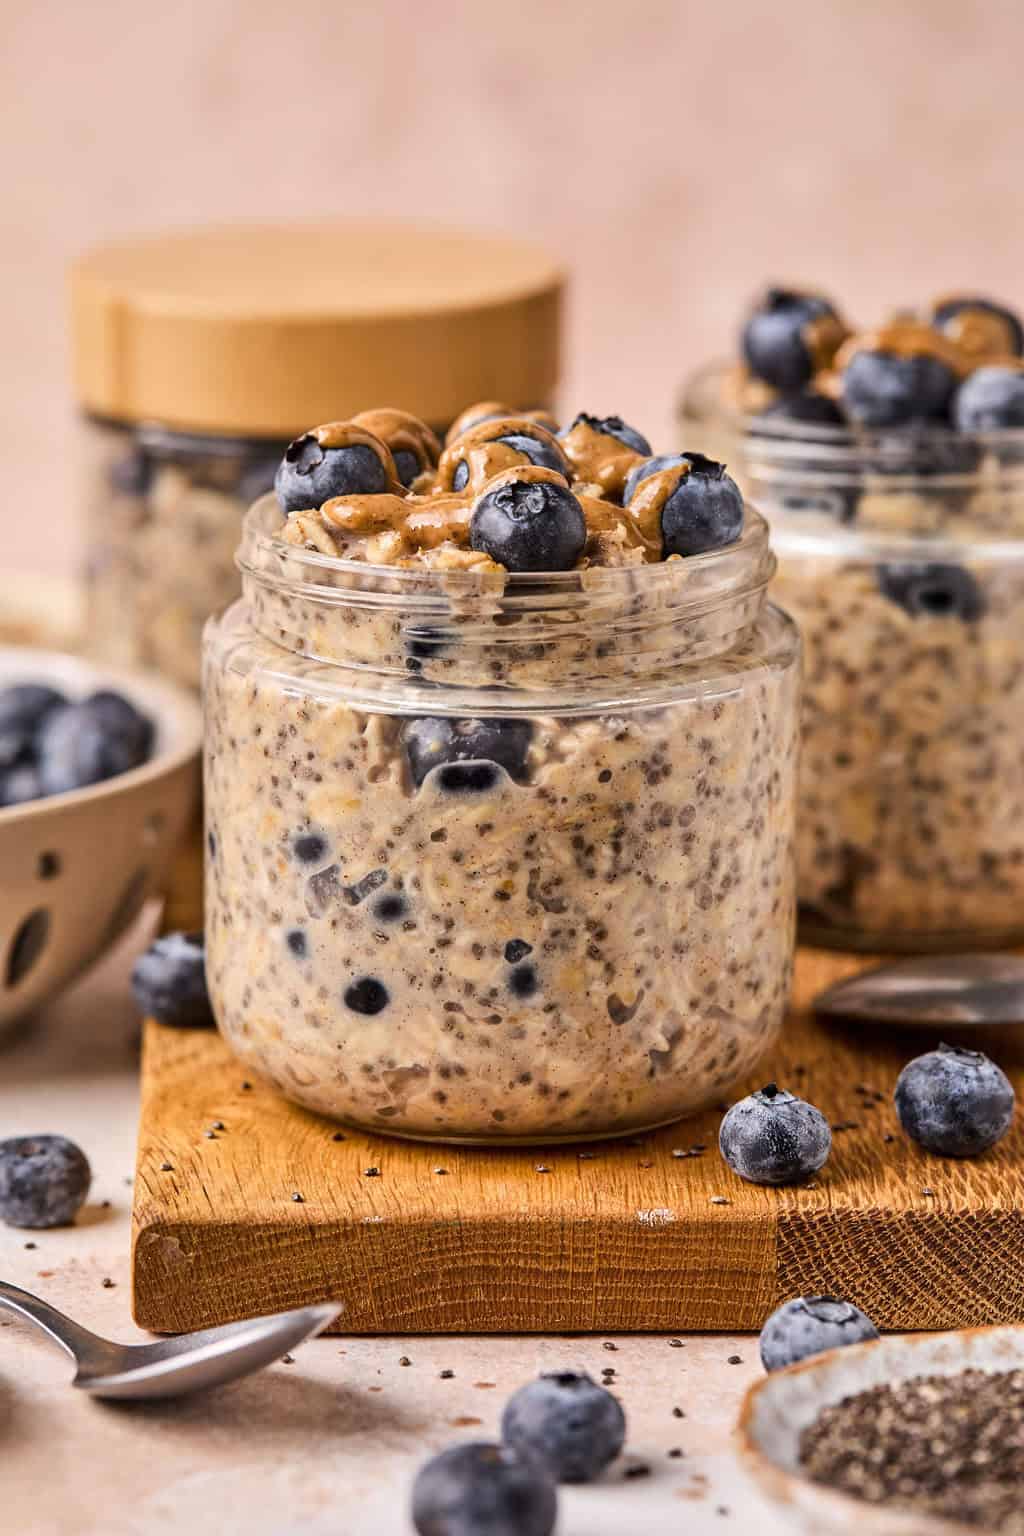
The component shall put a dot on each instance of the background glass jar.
(901, 557)
(500, 859)
(199, 355)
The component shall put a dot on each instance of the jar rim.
(744, 565)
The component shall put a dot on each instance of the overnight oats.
(500, 777)
(199, 354)
(890, 465)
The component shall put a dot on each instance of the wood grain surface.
(612, 1236)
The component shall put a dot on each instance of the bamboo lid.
(264, 330)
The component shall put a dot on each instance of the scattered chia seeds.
(297, 1198)
(943, 1445)
(735, 1360)
(542, 1168)
(166, 1168)
(287, 1359)
(676, 1452)
(441, 1170)
(637, 1469)
(609, 1345)
(677, 1413)
(720, 1200)
(404, 1360)
(107, 1283)
(675, 1343)
(446, 1375)
(372, 1173)
(338, 1136)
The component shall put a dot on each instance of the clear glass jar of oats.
(199, 355)
(901, 557)
(500, 858)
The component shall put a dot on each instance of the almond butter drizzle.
(402, 432)
(599, 459)
(982, 335)
(906, 338)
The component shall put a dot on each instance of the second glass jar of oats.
(199, 355)
(901, 556)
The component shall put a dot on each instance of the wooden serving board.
(614, 1236)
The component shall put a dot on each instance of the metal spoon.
(173, 1366)
(932, 991)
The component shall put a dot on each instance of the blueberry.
(887, 389)
(778, 340)
(933, 591)
(704, 512)
(309, 474)
(310, 848)
(43, 1181)
(535, 451)
(613, 426)
(568, 1423)
(366, 995)
(19, 785)
(809, 408)
(523, 981)
(26, 705)
(390, 908)
(88, 742)
(772, 1137)
(169, 982)
(808, 1326)
(980, 326)
(433, 741)
(529, 525)
(297, 942)
(407, 465)
(991, 398)
(924, 453)
(645, 469)
(516, 950)
(483, 1490)
(954, 1101)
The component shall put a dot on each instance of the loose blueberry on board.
(704, 512)
(954, 1101)
(809, 407)
(808, 1326)
(775, 343)
(772, 1137)
(990, 399)
(481, 1489)
(310, 474)
(88, 742)
(169, 982)
(566, 1421)
(43, 1181)
(884, 389)
(953, 317)
(529, 525)
(432, 742)
(933, 591)
(613, 426)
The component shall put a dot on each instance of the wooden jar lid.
(264, 330)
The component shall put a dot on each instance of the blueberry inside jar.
(893, 481)
(542, 867)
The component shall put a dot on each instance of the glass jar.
(199, 355)
(901, 557)
(500, 858)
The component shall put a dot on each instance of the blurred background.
(674, 155)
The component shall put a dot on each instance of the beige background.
(674, 155)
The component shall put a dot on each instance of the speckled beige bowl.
(777, 1409)
(75, 869)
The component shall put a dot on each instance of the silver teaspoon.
(174, 1366)
(931, 991)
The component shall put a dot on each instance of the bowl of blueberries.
(99, 778)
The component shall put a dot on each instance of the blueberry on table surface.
(43, 1181)
(955, 1102)
(809, 1325)
(480, 1489)
(529, 525)
(703, 513)
(886, 389)
(310, 474)
(169, 982)
(979, 325)
(776, 342)
(772, 1137)
(566, 1421)
(432, 742)
(933, 591)
(990, 399)
(88, 742)
(613, 426)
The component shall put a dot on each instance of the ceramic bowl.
(777, 1409)
(76, 868)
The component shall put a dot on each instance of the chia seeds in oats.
(943, 1445)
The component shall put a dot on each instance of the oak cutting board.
(611, 1236)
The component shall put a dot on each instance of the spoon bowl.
(175, 1366)
(932, 992)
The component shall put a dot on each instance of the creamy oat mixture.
(531, 918)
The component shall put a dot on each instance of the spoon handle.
(77, 1341)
